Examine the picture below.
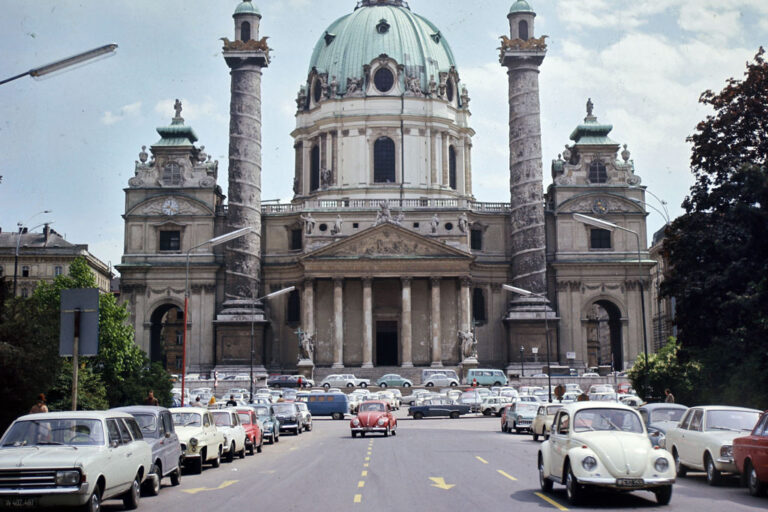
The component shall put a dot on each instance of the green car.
(393, 379)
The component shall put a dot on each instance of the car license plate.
(629, 482)
(18, 502)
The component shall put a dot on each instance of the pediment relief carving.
(178, 205)
(607, 204)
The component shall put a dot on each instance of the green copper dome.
(376, 28)
(520, 6)
(247, 7)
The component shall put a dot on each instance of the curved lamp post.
(528, 293)
(212, 242)
(81, 58)
(610, 226)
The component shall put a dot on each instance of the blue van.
(335, 405)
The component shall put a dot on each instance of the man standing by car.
(151, 400)
(670, 397)
(231, 402)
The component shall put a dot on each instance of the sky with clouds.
(68, 143)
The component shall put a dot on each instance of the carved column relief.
(308, 310)
(437, 356)
(405, 324)
(464, 304)
(338, 323)
(367, 323)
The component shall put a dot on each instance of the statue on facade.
(333, 87)
(468, 344)
(384, 214)
(336, 229)
(309, 223)
(432, 86)
(353, 85)
(434, 223)
(463, 222)
(413, 84)
(590, 107)
(301, 97)
(324, 87)
(326, 178)
(296, 185)
(306, 346)
(464, 97)
(177, 108)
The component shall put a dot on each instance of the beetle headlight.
(589, 463)
(193, 443)
(382, 421)
(68, 477)
(356, 422)
(661, 464)
(726, 451)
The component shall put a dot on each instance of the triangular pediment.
(387, 241)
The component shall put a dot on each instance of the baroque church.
(384, 257)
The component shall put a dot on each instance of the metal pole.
(642, 311)
(253, 313)
(522, 362)
(75, 359)
(16, 261)
(184, 338)
(549, 368)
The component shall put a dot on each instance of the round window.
(317, 91)
(323, 227)
(448, 226)
(384, 79)
(449, 90)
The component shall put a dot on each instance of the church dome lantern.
(521, 17)
(247, 19)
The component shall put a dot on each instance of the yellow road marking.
(223, 484)
(367, 458)
(439, 482)
(366, 465)
(365, 473)
(550, 501)
(361, 483)
(358, 498)
(503, 473)
(481, 459)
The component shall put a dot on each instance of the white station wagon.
(73, 458)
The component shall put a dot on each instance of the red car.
(373, 416)
(254, 437)
(504, 417)
(751, 456)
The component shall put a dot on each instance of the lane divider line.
(360, 484)
(358, 498)
(366, 465)
(550, 501)
(365, 473)
(481, 459)
(505, 474)
(367, 458)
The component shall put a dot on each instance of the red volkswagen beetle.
(373, 416)
(751, 456)
(254, 437)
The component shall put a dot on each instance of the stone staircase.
(412, 374)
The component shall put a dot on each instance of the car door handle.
(129, 454)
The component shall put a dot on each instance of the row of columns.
(406, 329)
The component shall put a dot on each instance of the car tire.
(94, 502)
(430, 384)
(386, 432)
(151, 485)
(131, 496)
(663, 494)
(680, 470)
(544, 482)
(197, 464)
(261, 444)
(383, 385)
(418, 415)
(327, 386)
(242, 453)
(217, 461)
(535, 436)
(308, 427)
(497, 383)
(363, 384)
(362, 434)
(504, 427)
(231, 453)
(454, 384)
(454, 415)
(250, 449)
(713, 474)
(354, 434)
(176, 476)
(754, 485)
(337, 416)
(406, 384)
(574, 490)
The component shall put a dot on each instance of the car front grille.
(27, 478)
(523, 421)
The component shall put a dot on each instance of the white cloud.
(717, 25)
(133, 109)
(609, 14)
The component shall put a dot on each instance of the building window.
(25, 271)
(24, 293)
(57, 271)
(452, 167)
(314, 172)
(178, 362)
(383, 79)
(522, 29)
(180, 336)
(293, 314)
(597, 173)
(384, 160)
(170, 240)
(245, 31)
(296, 240)
(317, 90)
(172, 174)
(599, 239)
(478, 306)
(476, 239)
(449, 90)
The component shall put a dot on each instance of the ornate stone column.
(446, 143)
(468, 167)
(406, 328)
(367, 323)
(437, 354)
(338, 323)
(464, 304)
(308, 308)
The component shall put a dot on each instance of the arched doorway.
(604, 336)
(166, 336)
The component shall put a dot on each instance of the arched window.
(172, 174)
(452, 167)
(384, 160)
(314, 175)
(449, 90)
(522, 29)
(597, 173)
(245, 31)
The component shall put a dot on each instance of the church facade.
(392, 259)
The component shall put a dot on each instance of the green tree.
(666, 370)
(718, 250)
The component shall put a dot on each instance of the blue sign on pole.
(79, 318)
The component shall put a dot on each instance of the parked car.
(504, 411)
(703, 440)
(344, 380)
(751, 456)
(270, 425)
(471, 398)
(603, 445)
(659, 418)
(542, 423)
(440, 379)
(288, 381)
(393, 379)
(228, 423)
(414, 396)
(73, 458)
(437, 407)
(289, 416)
(254, 436)
(520, 416)
(157, 428)
(335, 405)
(200, 440)
(373, 416)
(426, 373)
(306, 416)
(494, 404)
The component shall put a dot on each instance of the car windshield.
(607, 419)
(552, 409)
(284, 408)
(736, 421)
(374, 407)
(262, 411)
(245, 418)
(666, 414)
(64, 431)
(148, 423)
(527, 407)
(222, 418)
(187, 419)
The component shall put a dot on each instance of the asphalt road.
(432, 465)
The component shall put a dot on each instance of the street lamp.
(522, 362)
(212, 242)
(610, 226)
(528, 293)
(81, 58)
(268, 296)
(18, 243)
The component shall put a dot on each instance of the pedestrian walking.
(39, 405)
(151, 400)
(670, 397)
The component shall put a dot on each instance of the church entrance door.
(386, 343)
(166, 332)
(604, 344)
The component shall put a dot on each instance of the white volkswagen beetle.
(200, 440)
(602, 444)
